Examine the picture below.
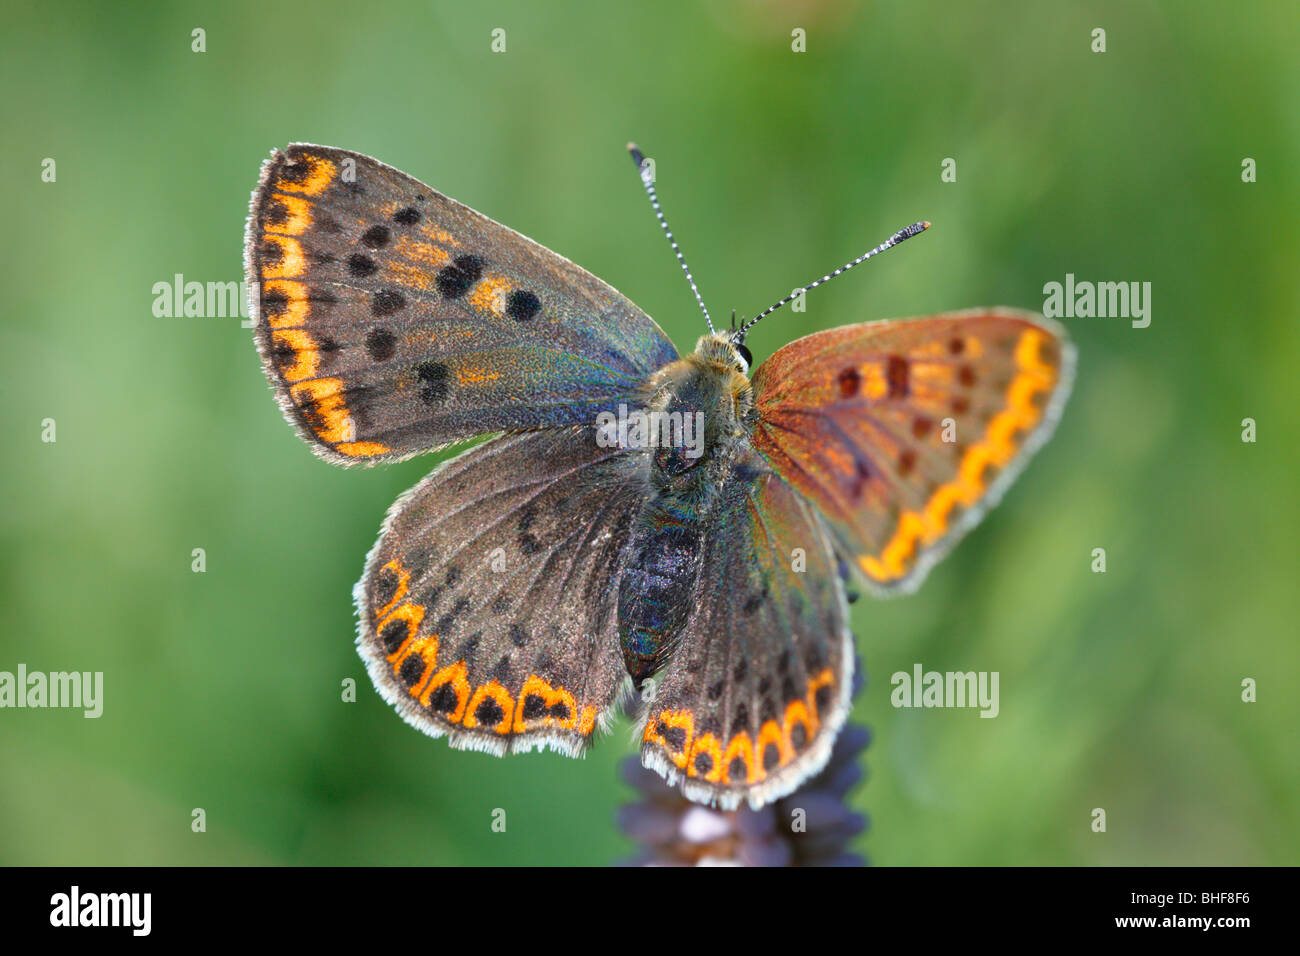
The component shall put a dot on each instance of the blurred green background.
(222, 690)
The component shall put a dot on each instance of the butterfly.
(640, 520)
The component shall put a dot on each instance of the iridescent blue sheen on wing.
(393, 320)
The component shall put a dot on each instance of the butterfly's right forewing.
(904, 433)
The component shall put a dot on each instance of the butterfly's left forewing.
(758, 687)
(392, 320)
(904, 433)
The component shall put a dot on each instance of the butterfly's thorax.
(702, 408)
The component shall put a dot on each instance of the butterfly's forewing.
(487, 606)
(904, 432)
(392, 320)
(758, 686)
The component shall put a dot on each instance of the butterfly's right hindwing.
(759, 683)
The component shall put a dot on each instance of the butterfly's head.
(726, 350)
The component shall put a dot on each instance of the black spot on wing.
(897, 376)
(674, 737)
(412, 670)
(274, 302)
(360, 265)
(385, 587)
(376, 237)
(522, 305)
(392, 634)
(270, 253)
(489, 712)
(387, 301)
(434, 381)
(275, 212)
(443, 700)
(381, 343)
(459, 277)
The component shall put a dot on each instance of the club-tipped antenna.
(914, 229)
(647, 180)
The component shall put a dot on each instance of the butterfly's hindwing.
(488, 604)
(758, 686)
(392, 320)
(904, 433)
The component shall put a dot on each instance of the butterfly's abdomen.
(656, 587)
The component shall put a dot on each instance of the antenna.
(648, 182)
(914, 229)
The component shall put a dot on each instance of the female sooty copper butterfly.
(517, 591)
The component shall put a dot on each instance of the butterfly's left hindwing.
(758, 686)
(487, 608)
(392, 320)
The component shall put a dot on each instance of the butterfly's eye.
(746, 354)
